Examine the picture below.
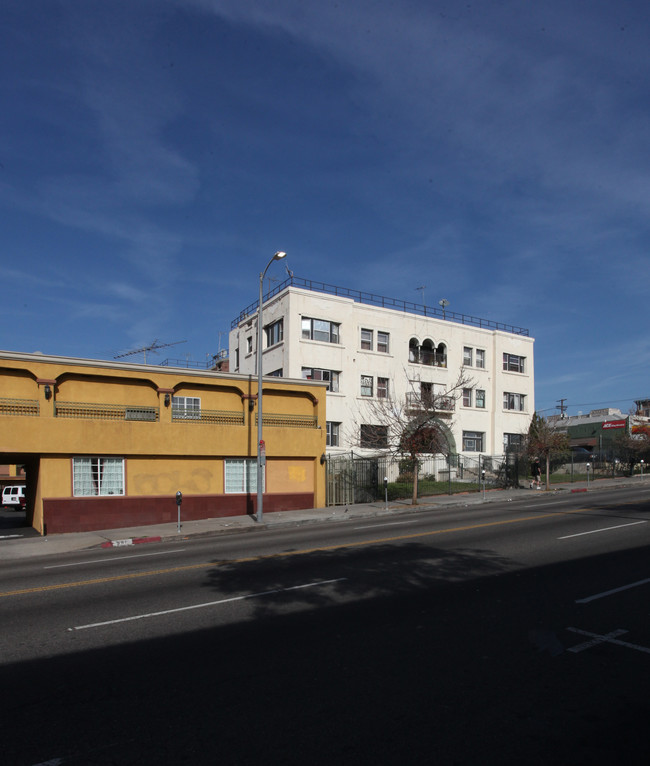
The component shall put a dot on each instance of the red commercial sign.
(614, 424)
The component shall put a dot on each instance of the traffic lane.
(455, 671)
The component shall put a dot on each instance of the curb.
(130, 541)
(578, 490)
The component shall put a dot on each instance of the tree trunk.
(416, 467)
(548, 470)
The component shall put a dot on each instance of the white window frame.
(274, 333)
(383, 388)
(240, 476)
(310, 328)
(473, 441)
(383, 342)
(333, 433)
(186, 408)
(479, 398)
(514, 402)
(366, 342)
(514, 363)
(367, 385)
(97, 476)
(468, 356)
(479, 359)
(467, 397)
(330, 376)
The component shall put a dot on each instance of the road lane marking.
(115, 558)
(389, 524)
(609, 638)
(284, 554)
(611, 592)
(604, 529)
(206, 604)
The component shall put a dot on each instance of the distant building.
(596, 431)
(108, 444)
(369, 348)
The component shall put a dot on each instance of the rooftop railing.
(93, 411)
(371, 299)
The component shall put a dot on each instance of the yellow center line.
(301, 552)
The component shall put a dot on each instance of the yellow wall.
(162, 455)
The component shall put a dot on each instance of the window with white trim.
(366, 340)
(331, 376)
(97, 476)
(240, 476)
(320, 329)
(468, 356)
(473, 441)
(467, 397)
(383, 391)
(274, 333)
(514, 401)
(333, 433)
(514, 363)
(366, 385)
(480, 358)
(186, 407)
(373, 437)
(383, 342)
(512, 441)
(479, 398)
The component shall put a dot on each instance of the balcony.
(273, 420)
(420, 402)
(90, 411)
(28, 407)
(208, 417)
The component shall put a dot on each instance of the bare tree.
(411, 427)
(543, 440)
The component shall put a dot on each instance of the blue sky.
(154, 154)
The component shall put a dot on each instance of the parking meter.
(483, 480)
(179, 500)
(386, 490)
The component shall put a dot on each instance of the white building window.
(480, 358)
(512, 441)
(331, 376)
(513, 363)
(333, 433)
(468, 354)
(467, 397)
(186, 408)
(473, 441)
(383, 342)
(320, 329)
(240, 476)
(94, 476)
(373, 437)
(274, 333)
(514, 401)
(366, 385)
(366, 340)
(479, 398)
(383, 391)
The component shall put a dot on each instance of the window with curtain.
(95, 476)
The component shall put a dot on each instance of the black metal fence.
(354, 479)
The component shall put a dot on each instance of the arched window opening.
(441, 355)
(427, 352)
(414, 351)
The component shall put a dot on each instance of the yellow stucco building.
(108, 444)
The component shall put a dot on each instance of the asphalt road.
(497, 634)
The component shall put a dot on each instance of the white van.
(14, 496)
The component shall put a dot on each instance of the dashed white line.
(115, 558)
(206, 604)
(612, 591)
(604, 529)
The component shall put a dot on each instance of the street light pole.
(261, 449)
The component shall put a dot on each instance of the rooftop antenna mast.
(154, 346)
(444, 303)
(421, 288)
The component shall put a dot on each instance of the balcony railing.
(288, 421)
(430, 358)
(437, 403)
(90, 411)
(209, 417)
(19, 407)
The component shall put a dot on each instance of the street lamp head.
(279, 255)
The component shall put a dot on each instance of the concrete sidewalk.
(25, 547)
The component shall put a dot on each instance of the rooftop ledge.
(378, 300)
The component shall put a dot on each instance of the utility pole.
(562, 407)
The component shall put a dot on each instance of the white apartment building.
(369, 348)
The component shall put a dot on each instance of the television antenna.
(421, 289)
(153, 346)
(444, 303)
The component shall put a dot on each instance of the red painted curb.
(130, 541)
(578, 490)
